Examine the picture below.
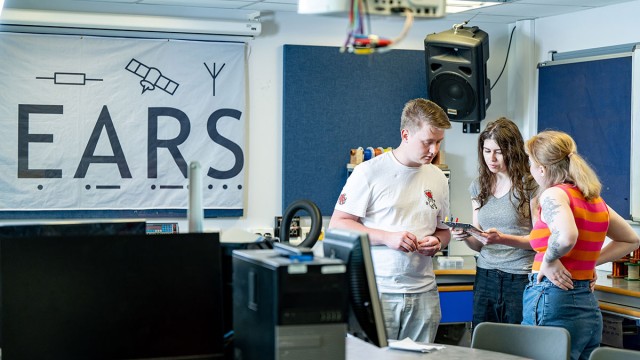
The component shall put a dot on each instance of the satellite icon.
(152, 78)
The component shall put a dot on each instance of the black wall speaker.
(456, 63)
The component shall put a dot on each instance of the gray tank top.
(502, 214)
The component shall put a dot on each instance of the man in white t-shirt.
(399, 199)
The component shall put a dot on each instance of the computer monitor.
(71, 228)
(365, 311)
(112, 297)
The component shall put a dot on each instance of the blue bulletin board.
(334, 102)
(591, 100)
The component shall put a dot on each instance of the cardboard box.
(612, 330)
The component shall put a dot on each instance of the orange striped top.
(592, 220)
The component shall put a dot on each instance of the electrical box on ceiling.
(420, 8)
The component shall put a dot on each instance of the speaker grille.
(457, 73)
(454, 94)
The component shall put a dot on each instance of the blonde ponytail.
(558, 153)
(584, 177)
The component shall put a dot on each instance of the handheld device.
(460, 225)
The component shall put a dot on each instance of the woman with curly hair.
(502, 199)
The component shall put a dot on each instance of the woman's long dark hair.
(508, 137)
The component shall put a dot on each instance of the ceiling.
(506, 12)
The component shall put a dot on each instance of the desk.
(360, 350)
(618, 296)
(620, 299)
(456, 276)
(455, 286)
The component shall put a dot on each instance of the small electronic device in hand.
(461, 225)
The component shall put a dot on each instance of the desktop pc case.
(288, 309)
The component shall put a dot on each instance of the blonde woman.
(568, 237)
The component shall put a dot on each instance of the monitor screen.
(112, 297)
(71, 228)
(365, 311)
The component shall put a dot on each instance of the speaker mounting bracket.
(471, 127)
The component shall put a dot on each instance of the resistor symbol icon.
(65, 78)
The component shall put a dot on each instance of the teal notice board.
(334, 102)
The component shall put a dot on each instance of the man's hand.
(429, 245)
(403, 241)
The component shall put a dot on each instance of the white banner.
(112, 124)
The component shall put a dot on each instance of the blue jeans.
(576, 310)
(415, 316)
(497, 296)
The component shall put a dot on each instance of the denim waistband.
(501, 273)
(533, 279)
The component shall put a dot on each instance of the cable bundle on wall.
(359, 39)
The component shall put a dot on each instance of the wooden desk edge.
(455, 271)
(618, 291)
(619, 309)
(448, 288)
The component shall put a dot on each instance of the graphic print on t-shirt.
(430, 201)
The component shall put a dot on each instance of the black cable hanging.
(505, 59)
